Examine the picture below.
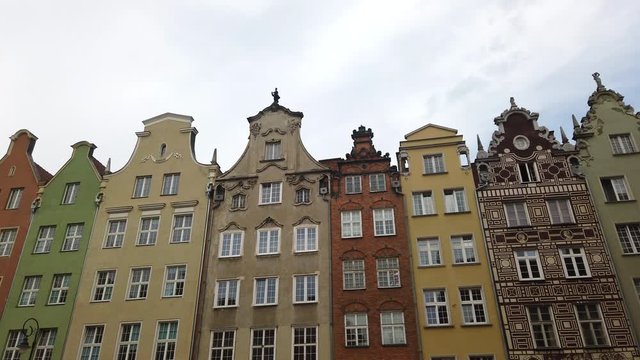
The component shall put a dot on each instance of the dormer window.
(273, 150)
(528, 172)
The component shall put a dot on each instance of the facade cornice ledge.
(182, 204)
(189, 130)
(315, 171)
(236, 178)
(143, 133)
(156, 206)
(119, 209)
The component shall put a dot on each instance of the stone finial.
(214, 158)
(564, 137)
(107, 169)
(481, 153)
(275, 95)
(596, 77)
(480, 147)
(513, 102)
(576, 124)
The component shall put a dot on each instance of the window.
(12, 349)
(59, 289)
(263, 344)
(353, 274)
(142, 186)
(91, 342)
(306, 238)
(529, 267)
(383, 222)
(528, 172)
(266, 291)
(353, 184)
(222, 344)
(636, 285)
(46, 340)
(14, 198)
(305, 343)
(182, 228)
(392, 328)
(356, 329)
(139, 283)
(388, 272)
(72, 237)
(268, 242)
(230, 244)
(615, 189)
(30, 289)
(629, 235)
(44, 239)
(148, 230)
(622, 144)
(128, 344)
(351, 224)
(7, 238)
(574, 261)
(423, 203)
(473, 311)
(437, 310)
(239, 201)
(227, 293)
(273, 150)
(516, 214)
(103, 289)
(433, 164)
(455, 201)
(306, 289)
(542, 326)
(464, 251)
(170, 184)
(174, 280)
(166, 340)
(303, 196)
(377, 182)
(270, 193)
(591, 325)
(429, 252)
(70, 193)
(560, 211)
(115, 233)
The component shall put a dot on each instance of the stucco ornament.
(293, 125)
(174, 155)
(255, 129)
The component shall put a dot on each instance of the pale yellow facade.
(143, 264)
(451, 269)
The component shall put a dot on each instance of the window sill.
(394, 345)
(443, 326)
(531, 280)
(466, 263)
(144, 245)
(172, 297)
(235, 257)
(458, 212)
(179, 242)
(306, 303)
(352, 237)
(357, 289)
(264, 305)
(238, 209)
(435, 173)
(310, 252)
(626, 153)
(353, 193)
(423, 215)
(271, 203)
(136, 299)
(99, 301)
(271, 160)
(66, 251)
(140, 197)
(233, 307)
(56, 304)
(389, 287)
(268, 255)
(631, 254)
(619, 201)
(302, 203)
(377, 191)
(169, 194)
(476, 325)
(384, 235)
(430, 266)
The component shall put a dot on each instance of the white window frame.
(273, 150)
(170, 184)
(142, 186)
(351, 224)
(629, 236)
(353, 274)
(128, 340)
(303, 348)
(377, 182)
(44, 240)
(227, 293)
(220, 349)
(388, 271)
(528, 257)
(528, 172)
(70, 193)
(148, 232)
(12, 348)
(13, 201)
(429, 252)
(463, 249)
(175, 280)
(433, 164)
(455, 201)
(560, 211)
(543, 327)
(46, 341)
(588, 325)
(7, 239)
(268, 241)
(168, 343)
(384, 222)
(514, 212)
(104, 289)
(435, 301)
(472, 306)
(181, 232)
(572, 260)
(258, 348)
(392, 323)
(353, 184)
(270, 193)
(231, 244)
(615, 189)
(139, 280)
(305, 238)
(30, 289)
(423, 203)
(303, 196)
(73, 236)
(114, 238)
(92, 337)
(622, 144)
(356, 329)
(270, 284)
(239, 201)
(305, 289)
(59, 289)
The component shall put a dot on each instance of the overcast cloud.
(87, 70)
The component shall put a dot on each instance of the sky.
(73, 70)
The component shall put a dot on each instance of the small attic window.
(12, 170)
(163, 150)
(403, 160)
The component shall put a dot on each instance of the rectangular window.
(128, 343)
(591, 325)
(174, 280)
(542, 326)
(455, 201)
(13, 202)
(464, 251)
(433, 164)
(473, 310)
(115, 233)
(148, 230)
(392, 328)
(273, 150)
(7, 239)
(429, 252)
(528, 172)
(356, 329)
(222, 344)
(44, 239)
(303, 196)
(72, 237)
(265, 291)
(529, 267)
(59, 289)
(423, 203)
(142, 186)
(170, 184)
(305, 343)
(227, 292)
(270, 193)
(306, 238)
(574, 262)
(182, 228)
(388, 272)
(263, 344)
(103, 289)
(70, 193)
(560, 211)
(92, 342)
(629, 235)
(353, 274)
(230, 244)
(377, 182)
(12, 349)
(239, 201)
(306, 289)
(353, 184)
(139, 283)
(268, 242)
(437, 310)
(615, 189)
(166, 340)
(30, 289)
(351, 224)
(516, 213)
(622, 144)
(46, 340)
(383, 222)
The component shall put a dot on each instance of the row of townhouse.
(532, 251)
